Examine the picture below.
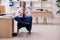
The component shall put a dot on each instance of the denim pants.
(24, 20)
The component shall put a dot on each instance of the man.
(23, 16)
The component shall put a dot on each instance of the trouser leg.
(19, 20)
(27, 19)
(29, 27)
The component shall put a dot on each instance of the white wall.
(54, 8)
(6, 4)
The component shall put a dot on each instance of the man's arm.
(17, 13)
(28, 12)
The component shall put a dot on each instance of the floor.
(39, 32)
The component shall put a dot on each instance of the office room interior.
(45, 20)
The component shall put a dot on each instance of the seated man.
(23, 16)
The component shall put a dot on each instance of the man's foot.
(14, 34)
(29, 32)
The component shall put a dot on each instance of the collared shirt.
(20, 11)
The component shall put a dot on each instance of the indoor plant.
(58, 5)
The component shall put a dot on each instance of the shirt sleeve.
(17, 13)
(28, 12)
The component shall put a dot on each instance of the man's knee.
(16, 18)
(30, 17)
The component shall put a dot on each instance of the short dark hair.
(24, 2)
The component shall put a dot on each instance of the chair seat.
(23, 25)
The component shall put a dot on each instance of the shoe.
(29, 32)
(14, 34)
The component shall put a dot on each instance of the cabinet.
(6, 26)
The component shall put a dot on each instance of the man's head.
(23, 4)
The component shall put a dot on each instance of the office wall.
(7, 9)
(6, 4)
(54, 8)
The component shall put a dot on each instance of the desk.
(6, 25)
(44, 15)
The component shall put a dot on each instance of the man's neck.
(23, 8)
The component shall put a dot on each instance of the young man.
(23, 16)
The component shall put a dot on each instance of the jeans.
(24, 20)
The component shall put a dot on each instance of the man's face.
(23, 5)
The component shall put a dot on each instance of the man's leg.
(29, 26)
(29, 19)
(19, 20)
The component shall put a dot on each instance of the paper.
(6, 16)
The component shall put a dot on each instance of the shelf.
(46, 1)
(44, 5)
(35, 0)
(14, 6)
(14, 1)
(21, 0)
(47, 7)
(25, 0)
(36, 7)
